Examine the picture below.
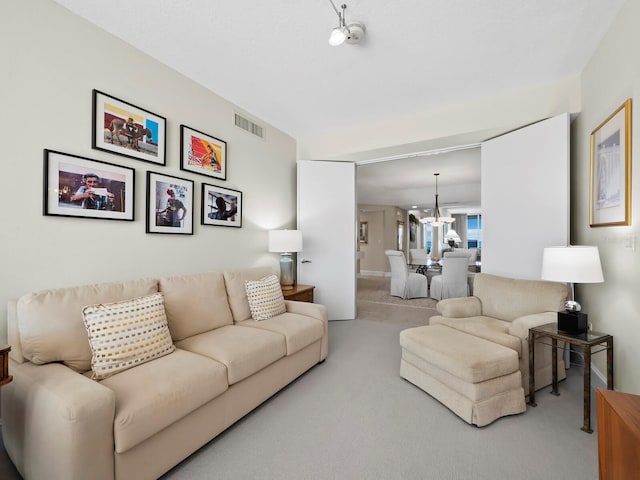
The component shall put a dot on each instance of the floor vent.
(249, 126)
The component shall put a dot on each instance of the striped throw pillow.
(265, 297)
(127, 333)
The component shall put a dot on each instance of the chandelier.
(437, 220)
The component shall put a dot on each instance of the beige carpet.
(375, 303)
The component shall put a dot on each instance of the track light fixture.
(350, 33)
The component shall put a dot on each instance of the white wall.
(611, 76)
(51, 60)
(460, 124)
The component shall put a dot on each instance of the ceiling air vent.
(249, 126)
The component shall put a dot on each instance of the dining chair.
(453, 281)
(405, 284)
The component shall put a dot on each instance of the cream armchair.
(502, 310)
(405, 284)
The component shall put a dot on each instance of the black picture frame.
(202, 153)
(140, 134)
(214, 199)
(76, 186)
(166, 196)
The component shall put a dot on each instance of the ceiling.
(272, 58)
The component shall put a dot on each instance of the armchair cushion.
(460, 307)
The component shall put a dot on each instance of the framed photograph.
(169, 204)
(610, 190)
(201, 153)
(76, 186)
(221, 206)
(363, 232)
(122, 128)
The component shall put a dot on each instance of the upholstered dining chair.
(453, 281)
(418, 256)
(405, 284)
(469, 255)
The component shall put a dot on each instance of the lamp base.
(572, 322)
(286, 272)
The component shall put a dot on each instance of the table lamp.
(572, 264)
(452, 238)
(285, 242)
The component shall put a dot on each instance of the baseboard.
(372, 273)
(598, 380)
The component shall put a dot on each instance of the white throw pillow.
(265, 297)
(127, 333)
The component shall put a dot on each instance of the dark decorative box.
(572, 322)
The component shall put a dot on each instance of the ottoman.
(476, 379)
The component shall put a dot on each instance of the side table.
(586, 341)
(4, 365)
(299, 293)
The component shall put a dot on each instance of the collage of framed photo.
(124, 129)
(169, 204)
(221, 206)
(76, 186)
(202, 153)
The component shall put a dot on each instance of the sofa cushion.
(156, 394)
(195, 303)
(265, 297)
(236, 293)
(299, 331)
(243, 350)
(491, 329)
(510, 298)
(50, 321)
(127, 333)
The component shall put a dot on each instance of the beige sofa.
(501, 311)
(58, 423)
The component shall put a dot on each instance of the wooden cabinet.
(4, 365)
(299, 293)
(618, 435)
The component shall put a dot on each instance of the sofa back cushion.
(509, 298)
(234, 281)
(50, 321)
(195, 303)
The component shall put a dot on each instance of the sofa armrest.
(460, 307)
(58, 424)
(521, 325)
(313, 310)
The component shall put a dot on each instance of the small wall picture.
(76, 186)
(363, 232)
(122, 128)
(169, 204)
(221, 206)
(202, 153)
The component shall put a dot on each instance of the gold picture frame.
(610, 177)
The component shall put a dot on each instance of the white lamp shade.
(285, 241)
(452, 235)
(572, 264)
